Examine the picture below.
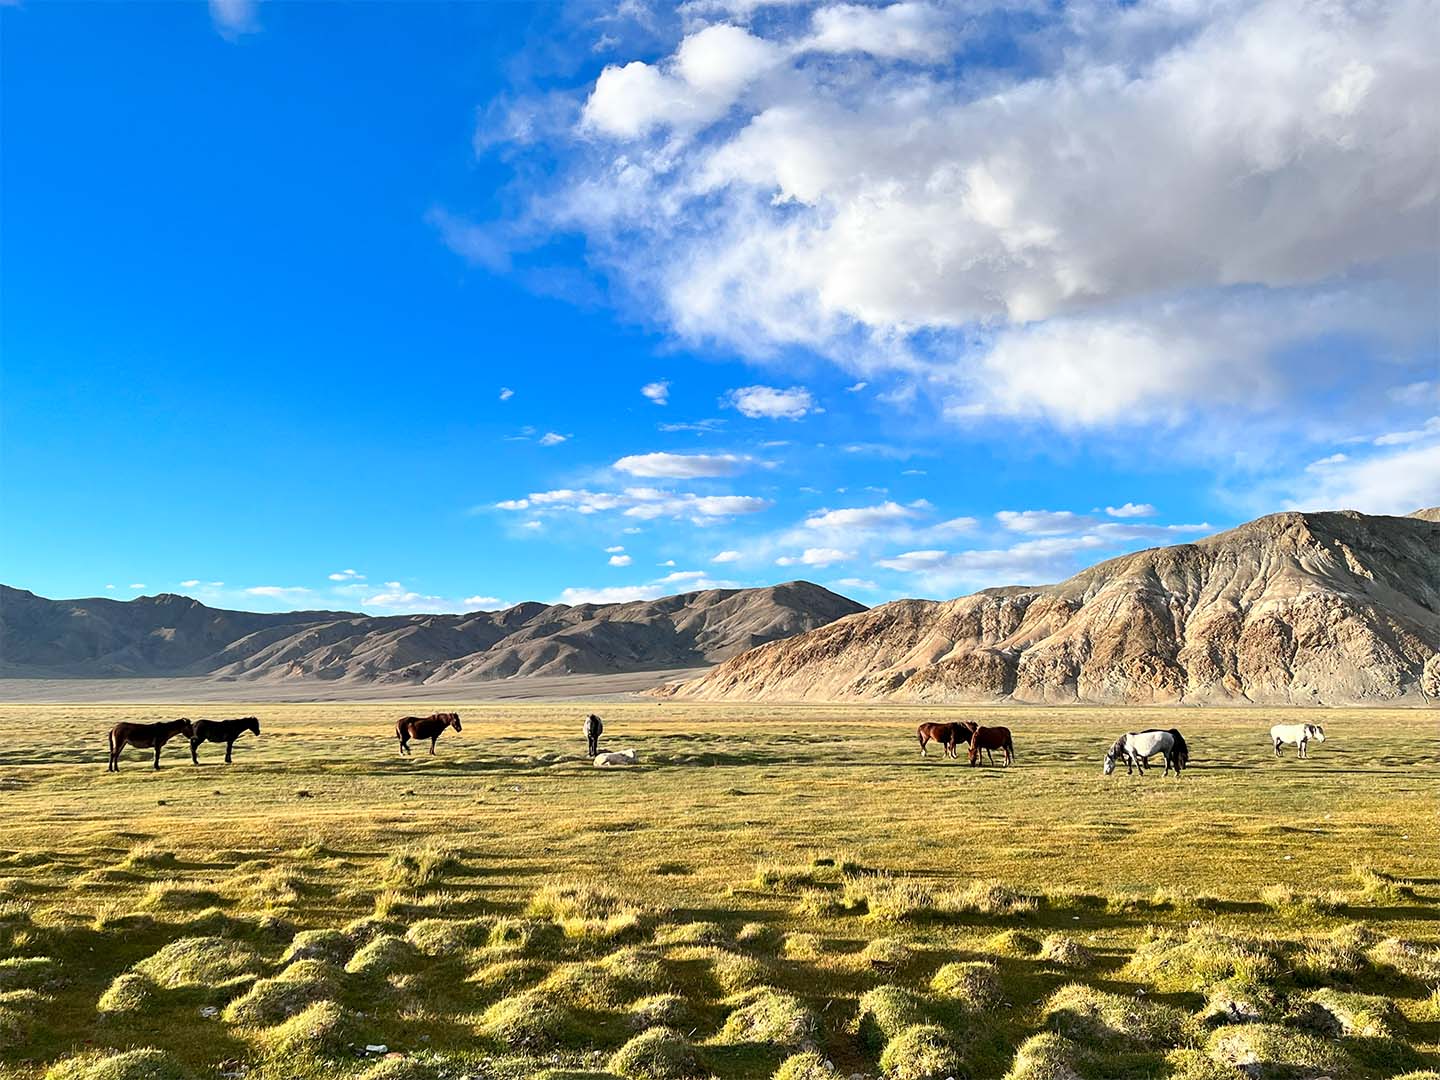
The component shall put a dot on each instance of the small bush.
(383, 956)
(199, 961)
(530, 1021)
(885, 1012)
(805, 1066)
(130, 1065)
(1094, 1018)
(769, 1016)
(658, 1054)
(1045, 1057)
(127, 992)
(975, 983)
(922, 1052)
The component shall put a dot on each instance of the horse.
(126, 734)
(226, 731)
(991, 738)
(594, 728)
(947, 735)
(428, 727)
(1300, 735)
(1136, 748)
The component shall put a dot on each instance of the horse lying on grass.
(145, 735)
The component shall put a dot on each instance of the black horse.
(226, 731)
(593, 730)
(147, 736)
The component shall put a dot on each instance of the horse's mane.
(1180, 742)
(1117, 747)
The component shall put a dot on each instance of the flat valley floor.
(774, 890)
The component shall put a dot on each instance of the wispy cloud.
(551, 438)
(683, 466)
(235, 17)
(772, 403)
(658, 392)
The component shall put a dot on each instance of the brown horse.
(428, 727)
(947, 735)
(991, 738)
(146, 736)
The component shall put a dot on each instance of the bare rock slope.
(177, 636)
(1302, 608)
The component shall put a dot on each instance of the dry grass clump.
(297, 987)
(783, 877)
(385, 955)
(885, 954)
(131, 1065)
(1285, 900)
(885, 1012)
(1205, 956)
(26, 972)
(982, 897)
(660, 1053)
(662, 1010)
(399, 1068)
(891, 898)
(521, 935)
(1093, 1017)
(531, 1021)
(800, 945)
(759, 935)
(922, 1052)
(1065, 952)
(127, 992)
(585, 984)
(174, 895)
(1263, 1051)
(1047, 1056)
(805, 1066)
(583, 909)
(692, 933)
(328, 944)
(437, 937)
(1351, 1014)
(770, 1016)
(1015, 943)
(1236, 1002)
(148, 856)
(508, 975)
(1378, 887)
(1418, 961)
(323, 1028)
(973, 983)
(414, 868)
(1340, 954)
(735, 971)
(199, 961)
(822, 903)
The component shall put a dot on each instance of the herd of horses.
(1134, 749)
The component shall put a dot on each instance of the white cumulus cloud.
(772, 403)
(682, 466)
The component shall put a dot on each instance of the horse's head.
(1116, 749)
(251, 724)
(452, 720)
(1316, 732)
(186, 727)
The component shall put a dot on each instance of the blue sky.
(413, 307)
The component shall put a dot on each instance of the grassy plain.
(784, 889)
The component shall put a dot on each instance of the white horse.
(1301, 735)
(1136, 748)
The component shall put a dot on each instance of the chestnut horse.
(947, 735)
(991, 738)
(428, 727)
(145, 735)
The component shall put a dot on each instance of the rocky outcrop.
(1295, 608)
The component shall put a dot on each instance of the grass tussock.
(1375, 886)
(145, 1064)
(922, 1052)
(508, 976)
(400, 1069)
(662, 1010)
(734, 972)
(17, 1013)
(416, 868)
(149, 856)
(692, 933)
(805, 1066)
(385, 955)
(1095, 1018)
(328, 944)
(128, 992)
(323, 1028)
(175, 895)
(296, 988)
(885, 954)
(660, 1053)
(531, 1021)
(784, 877)
(1418, 960)
(439, 937)
(586, 910)
(1203, 957)
(27, 972)
(1047, 1056)
(1290, 902)
(1013, 943)
(885, 1012)
(1265, 1051)
(1065, 952)
(1351, 1014)
(972, 983)
(770, 1016)
(199, 961)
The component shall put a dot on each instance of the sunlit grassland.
(504, 907)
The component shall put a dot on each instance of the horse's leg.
(1277, 747)
(114, 765)
(922, 739)
(194, 757)
(158, 744)
(432, 744)
(229, 746)
(1304, 748)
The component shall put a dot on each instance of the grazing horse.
(226, 731)
(947, 735)
(145, 735)
(1136, 748)
(429, 727)
(991, 738)
(594, 728)
(1301, 735)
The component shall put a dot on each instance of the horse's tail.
(1009, 744)
(110, 739)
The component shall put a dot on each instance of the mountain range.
(170, 635)
(1294, 608)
